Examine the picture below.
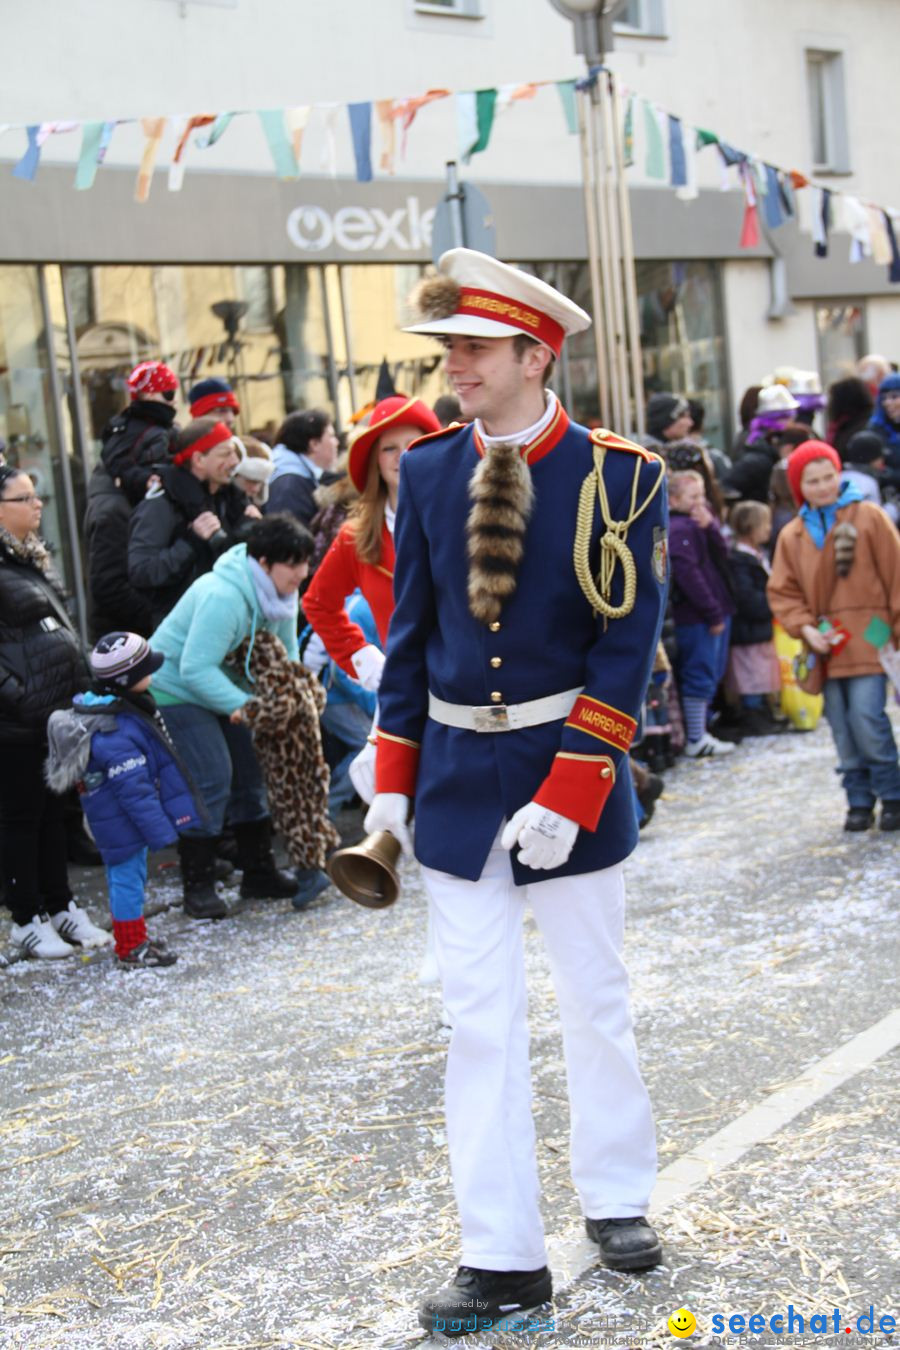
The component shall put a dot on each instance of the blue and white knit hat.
(123, 660)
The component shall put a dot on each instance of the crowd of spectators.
(200, 544)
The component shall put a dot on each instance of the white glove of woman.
(362, 772)
(368, 663)
(545, 838)
(390, 811)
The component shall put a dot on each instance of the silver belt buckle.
(493, 717)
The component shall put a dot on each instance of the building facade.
(295, 291)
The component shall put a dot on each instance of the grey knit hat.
(123, 660)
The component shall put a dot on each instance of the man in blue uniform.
(529, 583)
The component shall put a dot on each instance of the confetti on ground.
(248, 1150)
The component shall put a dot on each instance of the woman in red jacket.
(362, 555)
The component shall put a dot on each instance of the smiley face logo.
(682, 1323)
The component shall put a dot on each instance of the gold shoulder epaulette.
(608, 440)
(433, 435)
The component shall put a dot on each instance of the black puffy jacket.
(135, 442)
(748, 480)
(752, 622)
(164, 554)
(42, 662)
(113, 603)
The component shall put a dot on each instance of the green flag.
(656, 155)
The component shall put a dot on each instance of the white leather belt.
(503, 716)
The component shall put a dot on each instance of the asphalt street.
(247, 1150)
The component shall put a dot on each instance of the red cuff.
(396, 764)
(577, 787)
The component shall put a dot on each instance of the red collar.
(547, 441)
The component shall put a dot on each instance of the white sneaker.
(39, 938)
(708, 746)
(75, 926)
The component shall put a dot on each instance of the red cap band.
(212, 438)
(489, 305)
(225, 398)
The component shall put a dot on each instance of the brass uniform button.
(606, 771)
(496, 698)
(495, 626)
(496, 662)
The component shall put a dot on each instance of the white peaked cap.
(498, 300)
(775, 398)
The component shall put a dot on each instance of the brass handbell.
(367, 872)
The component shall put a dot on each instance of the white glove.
(545, 838)
(368, 663)
(390, 811)
(362, 772)
(315, 657)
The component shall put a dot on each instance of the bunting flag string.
(89, 159)
(566, 91)
(387, 126)
(361, 131)
(153, 129)
(176, 168)
(274, 125)
(669, 147)
(28, 164)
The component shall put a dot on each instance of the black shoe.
(890, 816)
(625, 1244)
(198, 859)
(148, 955)
(479, 1300)
(860, 818)
(760, 722)
(262, 880)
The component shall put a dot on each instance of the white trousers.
(490, 1128)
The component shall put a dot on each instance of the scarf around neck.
(31, 549)
(273, 605)
(819, 520)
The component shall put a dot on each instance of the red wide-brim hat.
(390, 412)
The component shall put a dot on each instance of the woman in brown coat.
(839, 560)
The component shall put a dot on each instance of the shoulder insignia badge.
(608, 440)
(435, 435)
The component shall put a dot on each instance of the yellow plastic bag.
(804, 710)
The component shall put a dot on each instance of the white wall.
(735, 66)
(883, 326)
(757, 345)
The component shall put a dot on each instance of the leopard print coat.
(283, 716)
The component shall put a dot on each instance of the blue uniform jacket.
(134, 794)
(548, 639)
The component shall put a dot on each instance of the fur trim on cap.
(435, 298)
(844, 547)
(502, 498)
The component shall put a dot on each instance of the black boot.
(625, 1244)
(481, 1300)
(198, 859)
(262, 880)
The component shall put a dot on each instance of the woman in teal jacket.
(252, 587)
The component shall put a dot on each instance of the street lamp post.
(608, 220)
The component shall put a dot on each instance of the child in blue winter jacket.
(136, 796)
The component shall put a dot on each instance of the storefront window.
(376, 304)
(841, 334)
(28, 421)
(683, 337)
(260, 328)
